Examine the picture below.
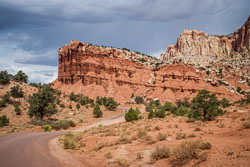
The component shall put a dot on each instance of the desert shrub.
(160, 153)
(16, 91)
(180, 135)
(70, 106)
(205, 145)
(151, 114)
(168, 106)
(63, 124)
(2, 103)
(4, 121)
(184, 103)
(152, 104)
(139, 100)
(185, 152)
(181, 110)
(160, 113)
(47, 128)
(246, 124)
(122, 162)
(109, 103)
(132, 114)
(97, 112)
(6, 97)
(78, 106)
(73, 97)
(36, 85)
(17, 109)
(205, 106)
(225, 103)
(62, 105)
(5, 77)
(86, 100)
(238, 89)
(161, 136)
(71, 140)
(20, 77)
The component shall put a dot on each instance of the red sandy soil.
(230, 141)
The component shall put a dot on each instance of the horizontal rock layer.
(97, 71)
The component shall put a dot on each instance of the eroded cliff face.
(198, 48)
(98, 71)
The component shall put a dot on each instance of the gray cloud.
(32, 31)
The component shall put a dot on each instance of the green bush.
(225, 103)
(6, 97)
(2, 103)
(4, 121)
(17, 109)
(182, 110)
(86, 100)
(97, 112)
(154, 104)
(132, 114)
(139, 100)
(78, 106)
(151, 114)
(16, 91)
(47, 128)
(109, 103)
(20, 77)
(73, 97)
(238, 89)
(62, 105)
(160, 113)
(205, 106)
(5, 77)
(63, 124)
(184, 103)
(42, 102)
(168, 106)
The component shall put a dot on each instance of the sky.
(31, 31)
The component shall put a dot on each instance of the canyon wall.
(102, 71)
(198, 48)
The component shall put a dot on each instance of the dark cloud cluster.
(32, 31)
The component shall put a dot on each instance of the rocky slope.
(99, 71)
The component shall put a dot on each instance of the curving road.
(32, 149)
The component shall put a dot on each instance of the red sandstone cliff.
(98, 71)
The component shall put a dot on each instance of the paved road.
(32, 150)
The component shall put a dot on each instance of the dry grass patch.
(71, 140)
(160, 153)
(246, 124)
(161, 136)
(187, 151)
(180, 135)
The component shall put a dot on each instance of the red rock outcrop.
(199, 48)
(98, 71)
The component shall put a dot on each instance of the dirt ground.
(131, 144)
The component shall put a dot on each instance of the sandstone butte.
(111, 72)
